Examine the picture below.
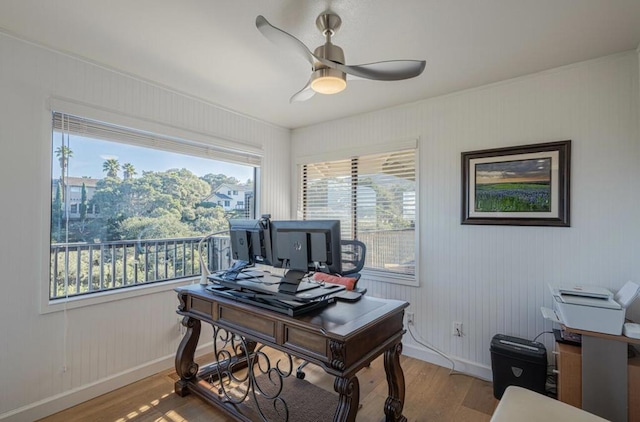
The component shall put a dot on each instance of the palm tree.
(63, 153)
(111, 166)
(129, 170)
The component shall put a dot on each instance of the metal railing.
(391, 250)
(82, 268)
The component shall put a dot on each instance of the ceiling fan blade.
(392, 70)
(283, 39)
(304, 94)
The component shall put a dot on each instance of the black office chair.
(354, 252)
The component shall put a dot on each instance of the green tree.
(83, 202)
(165, 227)
(63, 153)
(208, 220)
(56, 215)
(215, 180)
(111, 167)
(129, 170)
(389, 202)
(173, 193)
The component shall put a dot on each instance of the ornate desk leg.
(395, 379)
(349, 390)
(185, 366)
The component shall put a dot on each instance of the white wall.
(491, 278)
(113, 343)
(494, 278)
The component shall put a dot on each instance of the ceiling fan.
(329, 73)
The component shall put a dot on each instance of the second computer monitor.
(303, 245)
(250, 241)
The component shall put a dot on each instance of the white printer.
(591, 308)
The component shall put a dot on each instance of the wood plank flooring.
(431, 395)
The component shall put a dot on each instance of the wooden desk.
(342, 339)
(608, 380)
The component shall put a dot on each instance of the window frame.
(377, 275)
(182, 136)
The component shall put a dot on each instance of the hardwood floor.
(431, 395)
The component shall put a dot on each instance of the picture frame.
(524, 185)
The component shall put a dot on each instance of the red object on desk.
(348, 282)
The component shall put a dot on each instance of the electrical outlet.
(410, 318)
(457, 329)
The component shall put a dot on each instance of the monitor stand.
(292, 283)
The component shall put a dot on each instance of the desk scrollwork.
(182, 302)
(337, 355)
(263, 381)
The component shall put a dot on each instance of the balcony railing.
(81, 268)
(390, 250)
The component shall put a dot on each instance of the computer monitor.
(250, 241)
(304, 245)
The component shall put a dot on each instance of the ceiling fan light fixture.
(329, 71)
(328, 81)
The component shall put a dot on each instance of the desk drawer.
(306, 342)
(201, 307)
(257, 325)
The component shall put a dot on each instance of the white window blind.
(374, 197)
(87, 127)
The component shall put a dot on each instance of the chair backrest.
(354, 253)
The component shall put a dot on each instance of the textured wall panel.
(106, 340)
(494, 278)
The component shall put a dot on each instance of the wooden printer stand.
(598, 377)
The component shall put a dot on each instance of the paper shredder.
(517, 361)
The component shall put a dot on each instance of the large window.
(129, 207)
(374, 196)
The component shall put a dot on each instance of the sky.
(536, 170)
(90, 154)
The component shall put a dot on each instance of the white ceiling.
(212, 50)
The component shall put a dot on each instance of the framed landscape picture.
(524, 185)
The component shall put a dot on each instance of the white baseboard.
(471, 368)
(59, 402)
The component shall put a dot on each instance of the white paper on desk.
(627, 294)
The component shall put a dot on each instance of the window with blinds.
(374, 197)
(129, 207)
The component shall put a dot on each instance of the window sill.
(57, 305)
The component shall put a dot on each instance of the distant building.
(73, 196)
(232, 197)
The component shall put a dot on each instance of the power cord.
(551, 380)
(204, 271)
(544, 332)
(432, 348)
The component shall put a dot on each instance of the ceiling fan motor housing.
(326, 80)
